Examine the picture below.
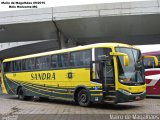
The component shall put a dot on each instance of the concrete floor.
(11, 107)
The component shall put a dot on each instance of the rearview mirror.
(125, 57)
(154, 58)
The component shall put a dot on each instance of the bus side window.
(59, 61)
(25, 65)
(16, 65)
(7, 66)
(75, 59)
(38, 63)
(148, 63)
(102, 51)
(46, 62)
(54, 61)
(80, 58)
(31, 64)
(64, 58)
(86, 57)
(109, 62)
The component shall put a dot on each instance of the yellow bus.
(103, 72)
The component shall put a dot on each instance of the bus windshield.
(134, 72)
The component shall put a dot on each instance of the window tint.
(16, 65)
(54, 61)
(86, 57)
(63, 60)
(58, 61)
(38, 63)
(7, 66)
(75, 59)
(46, 62)
(43, 63)
(148, 63)
(30, 64)
(80, 58)
(24, 65)
(99, 52)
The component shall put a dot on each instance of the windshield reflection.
(134, 72)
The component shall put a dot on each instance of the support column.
(62, 41)
(72, 43)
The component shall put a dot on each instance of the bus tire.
(83, 98)
(21, 94)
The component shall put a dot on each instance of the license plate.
(138, 98)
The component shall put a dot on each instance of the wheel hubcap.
(83, 98)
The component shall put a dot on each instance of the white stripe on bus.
(152, 83)
(154, 79)
(152, 69)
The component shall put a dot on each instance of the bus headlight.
(124, 92)
(121, 80)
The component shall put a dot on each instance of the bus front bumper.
(124, 96)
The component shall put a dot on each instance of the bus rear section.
(152, 75)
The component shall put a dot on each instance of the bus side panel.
(153, 81)
(51, 83)
(56, 84)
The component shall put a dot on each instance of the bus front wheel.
(83, 98)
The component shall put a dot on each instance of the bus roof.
(111, 45)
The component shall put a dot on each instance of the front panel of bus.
(130, 80)
(152, 75)
(120, 83)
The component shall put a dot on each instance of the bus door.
(108, 76)
(103, 72)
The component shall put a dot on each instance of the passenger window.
(59, 61)
(24, 64)
(86, 57)
(75, 59)
(64, 58)
(99, 52)
(31, 64)
(148, 63)
(43, 63)
(7, 66)
(16, 65)
(80, 58)
(54, 62)
(38, 63)
(100, 55)
(46, 62)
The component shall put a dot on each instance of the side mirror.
(154, 58)
(125, 57)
